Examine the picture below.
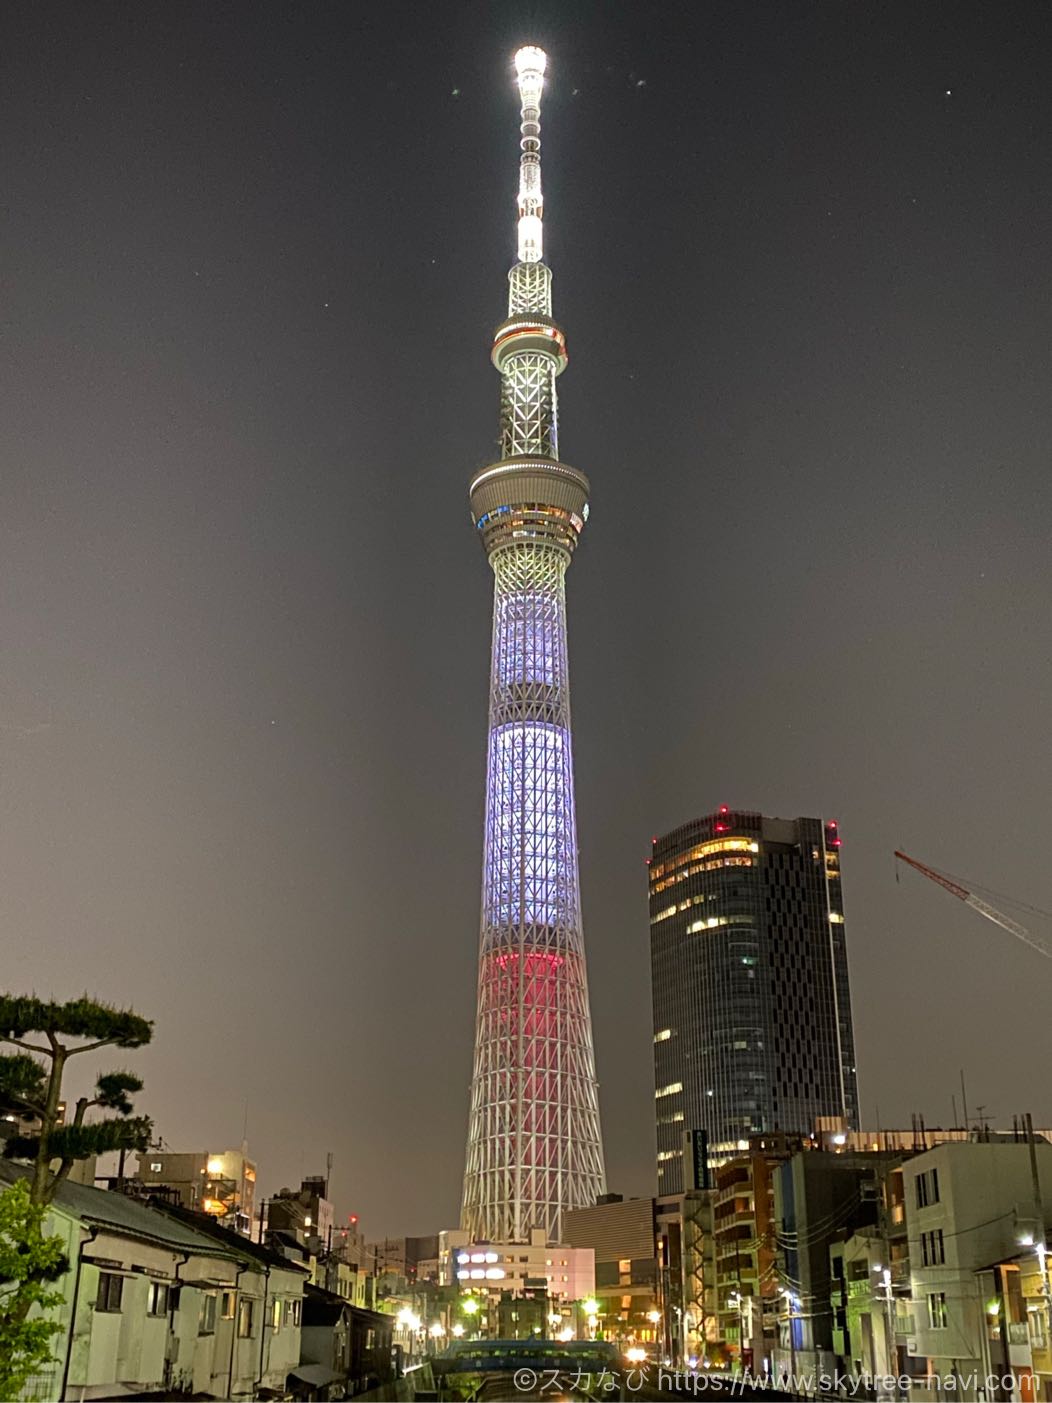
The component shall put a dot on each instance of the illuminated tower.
(533, 1143)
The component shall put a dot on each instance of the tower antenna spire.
(530, 64)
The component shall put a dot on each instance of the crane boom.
(978, 904)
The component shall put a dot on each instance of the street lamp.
(470, 1306)
(891, 1364)
(410, 1323)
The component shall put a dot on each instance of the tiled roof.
(128, 1216)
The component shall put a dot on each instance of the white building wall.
(118, 1347)
(985, 1193)
(494, 1267)
(281, 1342)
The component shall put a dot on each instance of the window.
(227, 1309)
(157, 1299)
(927, 1188)
(111, 1288)
(292, 1312)
(275, 1316)
(937, 1310)
(245, 1319)
(1037, 1330)
(933, 1249)
(207, 1320)
(156, 1167)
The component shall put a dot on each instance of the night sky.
(251, 257)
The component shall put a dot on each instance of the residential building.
(744, 1247)
(345, 1350)
(751, 1000)
(305, 1212)
(655, 1271)
(975, 1214)
(163, 1301)
(863, 1305)
(821, 1196)
(221, 1183)
(398, 1257)
(624, 1236)
(329, 1267)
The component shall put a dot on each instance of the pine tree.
(43, 1030)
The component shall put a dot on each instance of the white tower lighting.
(534, 1147)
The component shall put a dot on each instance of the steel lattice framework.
(534, 1146)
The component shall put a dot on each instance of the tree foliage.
(80, 1018)
(29, 1265)
(23, 1083)
(42, 1029)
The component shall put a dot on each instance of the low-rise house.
(268, 1310)
(163, 1301)
(345, 1350)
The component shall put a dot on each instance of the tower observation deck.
(534, 1146)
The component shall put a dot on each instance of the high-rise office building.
(533, 1143)
(752, 1008)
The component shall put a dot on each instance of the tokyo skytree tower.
(534, 1147)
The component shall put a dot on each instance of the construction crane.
(978, 904)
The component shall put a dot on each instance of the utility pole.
(889, 1329)
(890, 1353)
